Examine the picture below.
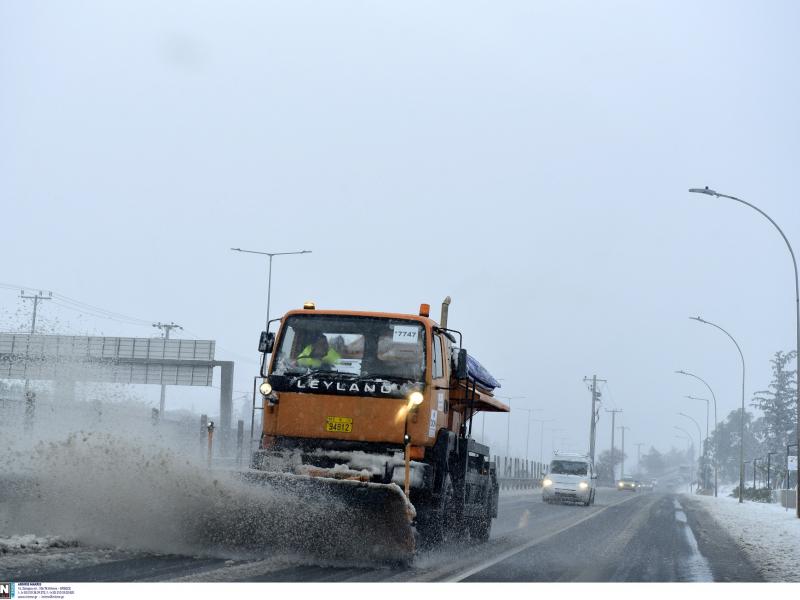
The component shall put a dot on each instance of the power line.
(85, 308)
(610, 395)
(80, 306)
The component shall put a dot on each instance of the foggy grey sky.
(529, 159)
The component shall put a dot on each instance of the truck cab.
(380, 398)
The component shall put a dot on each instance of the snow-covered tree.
(778, 403)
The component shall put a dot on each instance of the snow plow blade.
(336, 518)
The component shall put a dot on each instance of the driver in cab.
(318, 354)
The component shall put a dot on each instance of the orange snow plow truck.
(372, 412)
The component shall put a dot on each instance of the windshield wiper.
(326, 372)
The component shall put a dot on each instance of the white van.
(571, 478)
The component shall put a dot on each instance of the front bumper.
(554, 492)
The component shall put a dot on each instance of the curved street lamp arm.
(696, 424)
(783, 235)
(705, 383)
(701, 320)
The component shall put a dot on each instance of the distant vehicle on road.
(627, 483)
(571, 478)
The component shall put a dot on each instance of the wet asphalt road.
(625, 536)
(647, 538)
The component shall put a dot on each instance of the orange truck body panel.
(305, 415)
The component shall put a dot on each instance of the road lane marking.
(697, 564)
(508, 554)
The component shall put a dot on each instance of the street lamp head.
(698, 319)
(697, 398)
(705, 190)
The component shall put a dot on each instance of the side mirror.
(461, 368)
(266, 342)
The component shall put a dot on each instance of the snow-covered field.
(767, 533)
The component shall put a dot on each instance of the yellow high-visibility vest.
(304, 359)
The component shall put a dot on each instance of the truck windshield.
(363, 347)
(568, 467)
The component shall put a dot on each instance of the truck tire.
(439, 521)
(480, 528)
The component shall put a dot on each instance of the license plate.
(338, 424)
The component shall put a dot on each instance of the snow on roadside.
(32, 543)
(767, 533)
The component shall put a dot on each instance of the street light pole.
(508, 421)
(741, 428)
(699, 437)
(541, 437)
(269, 277)
(716, 454)
(528, 437)
(689, 435)
(796, 304)
(705, 446)
(689, 447)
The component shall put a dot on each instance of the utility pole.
(508, 420)
(528, 436)
(595, 414)
(166, 328)
(36, 298)
(639, 456)
(30, 396)
(613, 420)
(622, 466)
(541, 437)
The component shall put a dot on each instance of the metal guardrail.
(519, 483)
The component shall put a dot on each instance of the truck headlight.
(547, 482)
(620, 484)
(583, 485)
(415, 398)
(265, 389)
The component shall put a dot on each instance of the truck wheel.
(440, 520)
(481, 527)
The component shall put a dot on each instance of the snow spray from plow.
(97, 489)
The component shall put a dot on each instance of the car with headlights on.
(571, 478)
(627, 483)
